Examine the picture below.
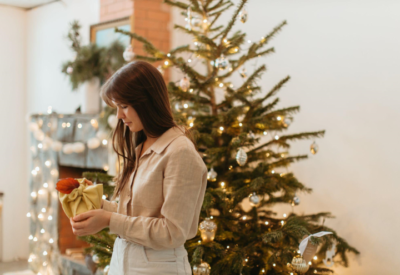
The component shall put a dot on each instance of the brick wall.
(150, 19)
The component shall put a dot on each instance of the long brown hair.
(141, 86)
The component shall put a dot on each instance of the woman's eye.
(124, 107)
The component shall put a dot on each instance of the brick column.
(150, 19)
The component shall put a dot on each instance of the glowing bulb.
(51, 241)
(199, 241)
(266, 223)
(105, 167)
(45, 185)
(28, 215)
(44, 263)
(211, 217)
(222, 184)
(191, 91)
(79, 125)
(50, 218)
(35, 239)
(309, 263)
(284, 215)
(276, 137)
(37, 168)
(42, 231)
(29, 260)
(244, 217)
(47, 163)
(40, 216)
(273, 172)
(185, 105)
(105, 142)
(278, 118)
(34, 172)
(195, 43)
(94, 123)
(104, 197)
(33, 195)
(221, 85)
(41, 192)
(273, 264)
(282, 222)
(205, 21)
(221, 128)
(189, 60)
(40, 146)
(64, 124)
(30, 237)
(315, 257)
(191, 124)
(246, 260)
(166, 63)
(298, 251)
(240, 124)
(44, 253)
(249, 41)
(68, 124)
(263, 270)
(44, 210)
(265, 133)
(227, 246)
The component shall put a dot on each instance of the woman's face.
(129, 117)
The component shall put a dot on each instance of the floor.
(6, 267)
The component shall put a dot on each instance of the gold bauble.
(241, 157)
(299, 264)
(208, 229)
(314, 148)
(201, 269)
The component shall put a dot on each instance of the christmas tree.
(231, 239)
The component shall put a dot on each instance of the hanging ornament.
(243, 73)
(207, 229)
(112, 121)
(184, 83)
(328, 261)
(128, 54)
(254, 199)
(196, 22)
(178, 106)
(69, 70)
(201, 269)
(106, 270)
(212, 175)
(243, 16)
(296, 200)
(92, 266)
(287, 122)
(95, 258)
(160, 69)
(241, 157)
(221, 63)
(299, 264)
(93, 143)
(314, 148)
(205, 23)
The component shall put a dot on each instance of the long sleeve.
(109, 206)
(184, 184)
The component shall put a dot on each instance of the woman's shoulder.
(182, 148)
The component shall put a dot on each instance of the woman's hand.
(90, 222)
(88, 182)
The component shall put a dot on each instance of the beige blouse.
(160, 208)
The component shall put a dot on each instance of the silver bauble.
(201, 269)
(296, 200)
(128, 54)
(287, 121)
(243, 73)
(221, 62)
(243, 16)
(212, 175)
(70, 70)
(314, 148)
(254, 199)
(251, 135)
(106, 270)
(184, 83)
(196, 22)
(95, 258)
(241, 157)
(178, 106)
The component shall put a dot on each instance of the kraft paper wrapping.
(82, 199)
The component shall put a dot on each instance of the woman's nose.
(120, 114)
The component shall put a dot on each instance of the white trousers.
(135, 259)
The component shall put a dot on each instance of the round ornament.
(95, 258)
(296, 200)
(221, 62)
(93, 143)
(178, 106)
(112, 121)
(68, 149)
(56, 146)
(128, 54)
(208, 229)
(314, 148)
(196, 22)
(70, 70)
(299, 264)
(241, 157)
(212, 175)
(287, 122)
(201, 269)
(78, 147)
(243, 16)
(251, 135)
(255, 199)
(184, 83)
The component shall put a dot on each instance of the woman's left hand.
(90, 222)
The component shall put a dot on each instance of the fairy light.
(284, 215)
(196, 43)
(51, 241)
(266, 223)
(47, 163)
(276, 137)
(273, 264)
(222, 184)
(249, 41)
(227, 247)
(191, 124)
(240, 124)
(44, 210)
(105, 142)
(29, 214)
(265, 133)
(282, 222)
(189, 60)
(41, 192)
(64, 125)
(315, 258)
(168, 54)
(42, 231)
(244, 218)
(33, 195)
(166, 63)
(278, 118)
(309, 263)
(94, 123)
(221, 128)
(199, 241)
(45, 185)
(40, 146)
(211, 217)
(44, 263)
(44, 253)
(221, 85)
(190, 90)
(68, 124)
(34, 172)
(298, 251)
(30, 237)
(40, 216)
(37, 168)
(273, 172)
(80, 125)
(106, 167)
(50, 218)
(35, 239)
(185, 105)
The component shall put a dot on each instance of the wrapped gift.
(77, 197)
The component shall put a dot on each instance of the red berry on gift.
(66, 186)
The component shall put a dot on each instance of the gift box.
(77, 197)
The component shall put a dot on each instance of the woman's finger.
(88, 182)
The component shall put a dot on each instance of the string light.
(315, 257)
(276, 137)
(265, 133)
(41, 192)
(50, 218)
(222, 184)
(33, 195)
(221, 85)
(278, 118)
(189, 60)
(105, 142)
(185, 105)
(168, 54)
(40, 216)
(94, 122)
(309, 263)
(47, 163)
(40, 146)
(68, 124)
(51, 241)
(221, 128)
(42, 231)
(199, 241)
(64, 125)
(274, 265)
(240, 124)
(30, 237)
(44, 210)
(28, 215)
(166, 63)
(284, 215)
(79, 125)
(35, 239)
(273, 172)
(34, 172)
(45, 185)
(266, 223)
(37, 168)
(227, 247)
(44, 253)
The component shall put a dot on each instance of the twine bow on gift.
(77, 197)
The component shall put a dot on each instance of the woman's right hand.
(88, 182)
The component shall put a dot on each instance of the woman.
(161, 184)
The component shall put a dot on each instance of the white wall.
(48, 48)
(343, 59)
(13, 134)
